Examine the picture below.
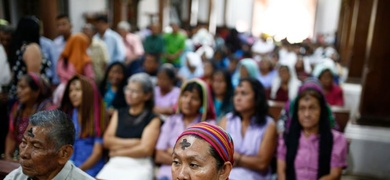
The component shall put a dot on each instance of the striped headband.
(218, 138)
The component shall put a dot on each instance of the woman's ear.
(224, 172)
(64, 154)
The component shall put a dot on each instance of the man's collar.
(64, 171)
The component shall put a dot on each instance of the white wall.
(240, 14)
(203, 12)
(78, 7)
(146, 6)
(327, 16)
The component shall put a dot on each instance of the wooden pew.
(341, 114)
(6, 167)
(275, 107)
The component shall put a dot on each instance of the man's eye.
(174, 162)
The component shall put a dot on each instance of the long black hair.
(261, 103)
(291, 139)
(227, 99)
(119, 100)
(27, 31)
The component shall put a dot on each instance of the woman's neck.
(166, 91)
(310, 131)
(188, 119)
(136, 109)
(114, 88)
(246, 116)
(219, 97)
(264, 72)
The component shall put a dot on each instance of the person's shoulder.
(16, 175)
(338, 137)
(58, 40)
(77, 174)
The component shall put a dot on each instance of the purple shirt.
(306, 160)
(248, 145)
(172, 129)
(168, 100)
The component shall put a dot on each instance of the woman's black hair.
(119, 100)
(27, 31)
(291, 139)
(44, 94)
(227, 99)
(194, 86)
(169, 70)
(261, 103)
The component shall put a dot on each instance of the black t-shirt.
(132, 126)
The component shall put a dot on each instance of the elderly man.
(46, 148)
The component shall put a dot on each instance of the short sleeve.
(340, 150)
(163, 139)
(98, 140)
(281, 154)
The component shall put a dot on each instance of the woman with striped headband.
(194, 106)
(33, 95)
(191, 159)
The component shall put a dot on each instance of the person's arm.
(266, 152)
(335, 174)
(222, 123)
(32, 57)
(96, 155)
(281, 170)
(120, 50)
(164, 156)
(112, 142)
(88, 71)
(10, 145)
(148, 142)
(164, 110)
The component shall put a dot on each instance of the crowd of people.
(131, 97)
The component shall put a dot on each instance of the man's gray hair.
(60, 128)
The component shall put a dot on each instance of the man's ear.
(64, 154)
(224, 172)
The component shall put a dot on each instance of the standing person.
(132, 134)
(194, 106)
(116, 48)
(111, 88)
(83, 103)
(253, 132)
(49, 52)
(25, 52)
(174, 44)
(222, 91)
(133, 44)
(73, 60)
(98, 53)
(208, 150)
(64, 30)
(310, 149)
(33, 95)
(154, 43)
(46, 148)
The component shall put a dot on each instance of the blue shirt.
(83, 148)
(49, 52)
(115, 46)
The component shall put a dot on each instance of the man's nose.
(24, 153)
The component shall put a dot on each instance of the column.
(48, 14)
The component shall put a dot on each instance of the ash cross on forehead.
(30, 132)
(184, 144)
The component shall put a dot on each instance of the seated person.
(132, 133)
(194, 106)
(203, 145)
(333, 93)
(111, 88)
(209, 68)
(310, 149)
(83, 103)
(193, 67)
(267, 72)
(46, 148)
(33, 95)
(253, 132)
(246, 68)
(166, 93)
(285, 85)
(150, 66)
(222, 92)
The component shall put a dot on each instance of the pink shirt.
(306, 161)
(335, 96)
(134, 47)
(167, 100)
(65, 74)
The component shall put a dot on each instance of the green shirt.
(173, 44)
